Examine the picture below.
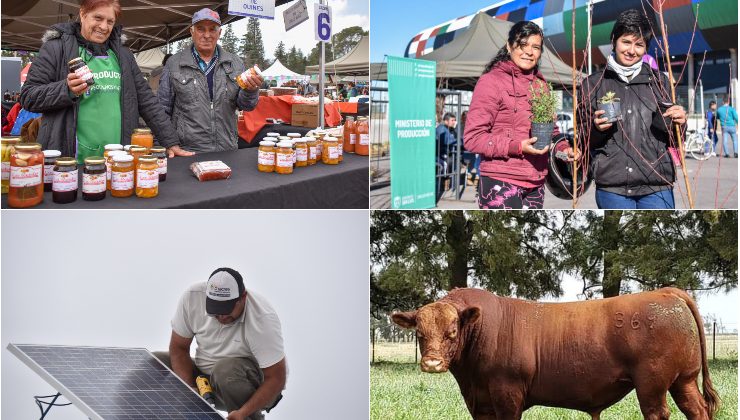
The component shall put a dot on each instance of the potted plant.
(543, 103)
(610, 105)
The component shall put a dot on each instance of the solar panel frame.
(79, 402)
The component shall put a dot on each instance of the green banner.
(411, 112)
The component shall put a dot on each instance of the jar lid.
(267, 143)
(157, 149)
(123, 158)
(362, 118)
(284, 138)
(329, 138)
(142, 131)
(114, 146)
(286, 144)
(350, 118)
(301, 140)
(273, 134)
(137, 149)
(147, 159)
(74, 60)
(294, 135)
(10, 140)
(116, 152)
(66, 161)
(27, 147)
(52, 153)
(94, 160)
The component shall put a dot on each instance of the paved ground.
(714, 184)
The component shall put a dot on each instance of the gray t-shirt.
(256, 333)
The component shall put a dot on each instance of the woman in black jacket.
(79, 119)
(630, 158)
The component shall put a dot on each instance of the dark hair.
(712, 103)
(517, 34)
(632, 22)
(165, 58)
(726, 99)
(448, 115)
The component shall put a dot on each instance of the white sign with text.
(264, 9)
(295, 15)
(322, 16)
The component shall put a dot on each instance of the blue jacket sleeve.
(165, 94)
(247, 99)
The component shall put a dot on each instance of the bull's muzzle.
(433, 365)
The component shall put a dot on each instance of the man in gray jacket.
(199, 92)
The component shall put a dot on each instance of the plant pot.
(543, 132)
(612, 111)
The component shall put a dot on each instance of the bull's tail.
(710, 395)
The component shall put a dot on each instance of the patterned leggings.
(495, 194)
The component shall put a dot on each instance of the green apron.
(99, 115)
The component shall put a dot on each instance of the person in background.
(712, 126)
(79, 120)
(199, 92)
(727, 117)
(352, 90)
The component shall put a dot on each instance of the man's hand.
(677, 114)
(601, 123)
(253, 81)
(572, 156)
(76, 85)
(177, 151)
(236, 415)
(528, 149)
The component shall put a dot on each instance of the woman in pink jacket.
(512, 171)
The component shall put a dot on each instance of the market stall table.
(282, 129)
(319, 186)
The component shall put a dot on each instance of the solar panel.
(109, 383)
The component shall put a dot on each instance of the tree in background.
(280, 53)
(416, 256)
(252, 49)
(341, 44)
(295, 60)
(228, 39)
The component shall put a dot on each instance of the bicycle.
(699, 145)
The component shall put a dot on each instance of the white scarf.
(624, 73)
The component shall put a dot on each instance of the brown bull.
(508, 354)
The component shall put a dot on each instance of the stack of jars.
(28, 172)
(282, 154)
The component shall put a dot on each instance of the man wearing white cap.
(199, 91)
(239, 344)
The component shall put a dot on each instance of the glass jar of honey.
(301, 152)
(142, 137)
(274, 136)
(266, 156)
(362, 132)
(26, 187)
(94, 179)
(122, 176)
(147, 177)
(311, 145)
(109, 165)
(347, 135)
(160, 153)
(65, 180)
(330, 154)
(50, 158)
(8, 148)
(319, 147)
(284, 158)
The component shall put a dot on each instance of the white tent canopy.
(354, 63)
(149, 60)
(277, 71)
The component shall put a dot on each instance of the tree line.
(251, 47)
(416, 256)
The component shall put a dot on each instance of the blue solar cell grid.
(120, 383)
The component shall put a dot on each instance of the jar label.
(285, 160)
(265, 158)
(26, 176)
(333, 152)
(162, 166)
(301, 154)
(364, 139)
(6, 171)
(48, 174)
(122, 181)
(352, 138)
(93, 183)
(107, 170)
(147, 178)
(340, 148)
(84, 73)
(64, 181)
(312, 152)
(292, 154)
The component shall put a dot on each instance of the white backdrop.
(113, 278)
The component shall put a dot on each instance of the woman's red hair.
(87, 6)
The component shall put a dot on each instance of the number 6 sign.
(322, 16)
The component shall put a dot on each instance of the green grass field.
(399, 390)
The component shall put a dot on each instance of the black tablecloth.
(282, 129)
(318, 186)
